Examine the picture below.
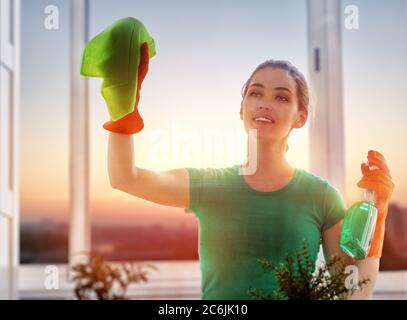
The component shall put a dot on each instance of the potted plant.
(98, 279)
(297, 279)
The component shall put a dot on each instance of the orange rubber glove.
(380, 181)
(132, 123)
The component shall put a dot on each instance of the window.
(190, 102)
(205, 52)
(44, 135)
(375, 109)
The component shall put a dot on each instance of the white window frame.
(9, 137)
(174, 279)
(178, 279)
(327, 138)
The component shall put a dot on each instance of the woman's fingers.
(142, 69)
(376, 158)
(377, 182)
(376, 176)
(144, 51)
(144, 60)
(365, 168)
(377, 162)
(381, 172)
(377, 154)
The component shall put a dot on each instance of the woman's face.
(272, 95)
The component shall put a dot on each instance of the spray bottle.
(358, 226)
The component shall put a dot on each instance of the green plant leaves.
(297, 278)
(106, 281)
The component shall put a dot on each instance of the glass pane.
(375, 68)
(190, 102)
(44, 133)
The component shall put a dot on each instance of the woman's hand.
(377, 179)
(133, 122)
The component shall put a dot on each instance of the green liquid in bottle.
(358, 227)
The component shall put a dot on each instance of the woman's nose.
(265, 108)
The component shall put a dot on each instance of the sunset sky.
(190, 99)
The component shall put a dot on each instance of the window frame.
(326, 79)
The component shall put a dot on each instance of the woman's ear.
(241, 110)
(302, 119)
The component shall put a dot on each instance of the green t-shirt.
(238, 225)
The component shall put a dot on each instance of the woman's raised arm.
(169, 187)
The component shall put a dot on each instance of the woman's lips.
(263, 121)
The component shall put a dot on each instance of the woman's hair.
(302, 86)
(303, 95)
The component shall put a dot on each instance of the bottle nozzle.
(369, 195)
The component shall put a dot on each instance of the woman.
(264, 207)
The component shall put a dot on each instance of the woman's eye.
(253, 92)
(282, 98)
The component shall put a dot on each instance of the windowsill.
(391, 285)
(175, 280)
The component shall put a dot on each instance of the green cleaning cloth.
(114, 55)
